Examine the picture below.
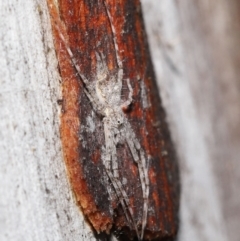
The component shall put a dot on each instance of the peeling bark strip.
(118, 153)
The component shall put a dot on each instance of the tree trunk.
(197, 62)
(195, 53)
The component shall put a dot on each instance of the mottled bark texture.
(86, 27)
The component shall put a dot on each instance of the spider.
(105, 97)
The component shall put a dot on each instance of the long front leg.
(90, 94)
(99, 108)
(129, 100)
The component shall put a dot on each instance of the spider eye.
(119, 122)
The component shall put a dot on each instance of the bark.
(87, 33)
(195, 53)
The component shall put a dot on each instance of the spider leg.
(113, 174)
(129, 100)
(101, 63)
(139, 158)
(119, 61)
(91, 96)
(70, 53)
(107, 164)
(99, 108)
(145, 179)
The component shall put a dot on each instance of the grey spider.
(104, 93)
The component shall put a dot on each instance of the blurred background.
(196, 55)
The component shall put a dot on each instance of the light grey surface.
(194, 46)
(194, 52)
(35, 198)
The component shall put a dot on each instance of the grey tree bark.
(195, 52)
(36, 202)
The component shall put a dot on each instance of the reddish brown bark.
(86, 26)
